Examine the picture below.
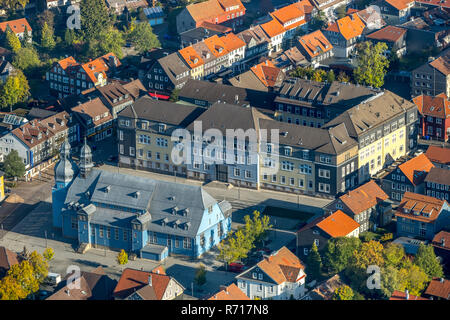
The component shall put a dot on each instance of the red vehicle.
(236, 267)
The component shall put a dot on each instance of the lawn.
(287, 213)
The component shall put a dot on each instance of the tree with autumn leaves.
(24, 279)
(237, 245)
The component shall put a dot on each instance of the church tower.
(65, 172)
(85, 160)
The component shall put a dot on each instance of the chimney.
(441, 280)
(150, 280)
(407, 294)
(443, 242)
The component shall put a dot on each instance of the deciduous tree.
(12, 41)
(314, 263)
(200, 275)
(338, 253)
(122, 257)
(394, 254)
(344, 292)
(26, 59)
(13, 165)
(143, 38)
(427, 261)
(14, 90)
(371, 64)
(48, 254)
(47, 38)
(94, 18)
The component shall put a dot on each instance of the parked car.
(53, 278)
(236, 267)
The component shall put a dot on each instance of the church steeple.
(85, 160)
(64, 169)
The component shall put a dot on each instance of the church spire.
(85, 160)
(64, 169)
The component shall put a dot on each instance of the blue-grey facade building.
(148, 217)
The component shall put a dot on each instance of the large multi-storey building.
(227, 12)
(148, 217)
(385, 128)
(68, 77)
(344, 34)
(434, 116)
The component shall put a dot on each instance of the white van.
(53, 278)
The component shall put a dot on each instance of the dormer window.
(175, 210)
(161, 127)
(185, 212)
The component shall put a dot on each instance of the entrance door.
(222, 173)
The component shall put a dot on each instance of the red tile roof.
(338, 224)
(438, 3)
(232, 292)
(133, 280)
(349, 27)
(363, 197)
(442, 240)
(99, 66)
(282, 266)
(438, 154)
(438, 106)
(419, 207)
(67, 62)
(232, 42)
(192, 58)
(288, 13)
(17, 26)
(208, 10)
(315, 43)
(439, 287)
(389, 33)
(267, 73)
(273, 28)
(400, 4)
(7, 258)
(415, 169)
(216, 46)
(37, 131)
(442, 64)
(399, 295)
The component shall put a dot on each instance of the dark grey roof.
(248, 80)
(332, 141)
(173, 65)
(335, 93)
(372, 112)
(157, 198)
(161, 111)
(216, 92)
(438, 175)
(224, 116)
(38, 113)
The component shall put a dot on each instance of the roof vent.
(107, 189)
(174, 210)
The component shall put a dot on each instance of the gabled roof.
(363, 197)
(415, 169)
(101, 65)
(438, 106)
(211, 9)
(315, 43)
(399, 4)
(192, 58)
(232, 42)
(7, 258)
(267, 73)
(133, 280)
(338, 224)
(349, 27)
(419, 207)
(389, 34)
(216, 46)
(442, 64)
(438, 154)
(438, 175)
(232, 292)
(92, 109)
(442, 240)
(288, 13)
(273, 28)
(256, 34)
(400, 295)
(36, 131)
(281, 266)
(67, 62)
(17, 26)
(439, 287)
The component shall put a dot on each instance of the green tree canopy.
(371, 64)
(94, 18)
(40, 266)
(344, 292)
(319, 21)
(12, 41)
(26, 59)
(343, 77)
(370, 253)
(11, 289)
(13, 165)
(341, 11)
(414, 279)
(428, 262)
(331, 76)
(48, 254)
(109, 40)
(14, 90)
(47, 38)
(143, 38)
(314, 263)
(338, 253)
(200, 275)
(393, 254)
